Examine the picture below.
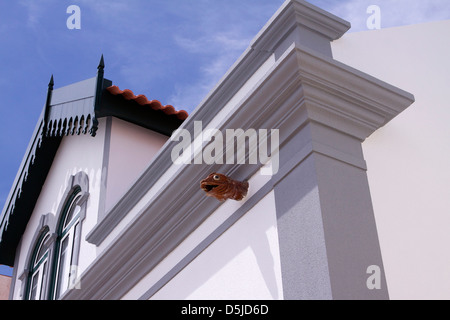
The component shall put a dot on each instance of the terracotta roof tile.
(143, 101)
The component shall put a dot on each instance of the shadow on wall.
(243, 263)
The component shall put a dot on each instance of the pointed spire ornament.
(51, 83)
(47, 104)
(98, 96)
(101, 65)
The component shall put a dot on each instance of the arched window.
(68, 244)
(52, 263)
(39, 269)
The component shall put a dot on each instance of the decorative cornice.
(292, 15)
(287, 98)
(339, 95)
(70, 110)
(294, 21)
(74, 111)
(326, 24)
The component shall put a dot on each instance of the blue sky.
(171, 50)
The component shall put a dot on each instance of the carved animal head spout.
(222, 187)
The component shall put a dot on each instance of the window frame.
(39, 268)
(48, 232)
(64, 275)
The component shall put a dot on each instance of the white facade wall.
(408, 159)
(131, 149)
(243, 263)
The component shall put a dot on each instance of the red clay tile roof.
(143, 101)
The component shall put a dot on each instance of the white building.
(408, 158)
(99, 210)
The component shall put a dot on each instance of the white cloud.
(216, 34)
(107, 11)
(216, 53)
(215, 48)
(405, 12)
(35, 11)
(393, 13)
